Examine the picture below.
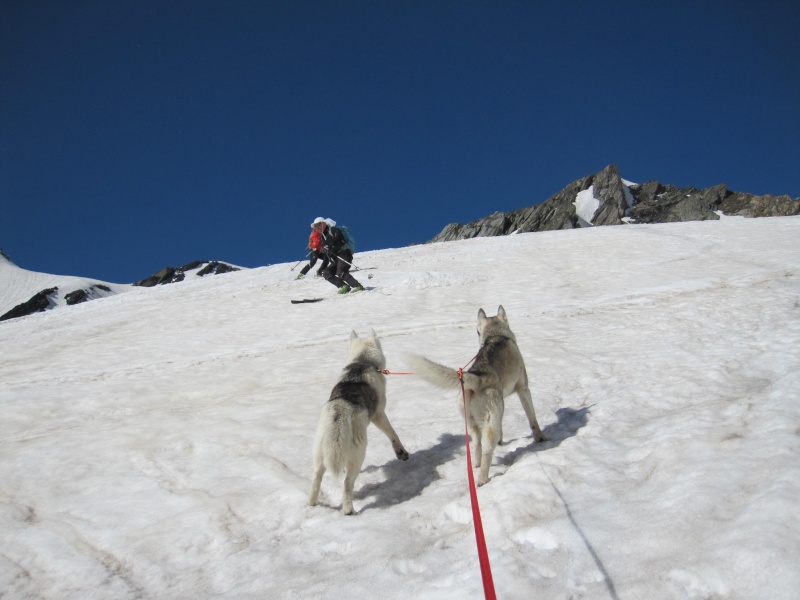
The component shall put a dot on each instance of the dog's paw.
(403, 455)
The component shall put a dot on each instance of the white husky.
(497, 371)
(358, 398)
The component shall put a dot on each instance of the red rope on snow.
(480, 540)
(483, 553)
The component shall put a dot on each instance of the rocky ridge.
(619, 202)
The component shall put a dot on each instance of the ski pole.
(294, 267)
(347, 261)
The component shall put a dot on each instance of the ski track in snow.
(157, 444)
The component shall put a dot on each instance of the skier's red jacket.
(315, 241)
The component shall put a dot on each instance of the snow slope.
(157, 444)
(19, 285)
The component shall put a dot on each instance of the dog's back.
(345, 417)
(357, 386)
(358, 398)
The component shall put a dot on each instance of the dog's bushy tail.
(343, 434)
(439, 375)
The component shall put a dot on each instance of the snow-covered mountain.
(43, 291)
(24, 292)
(157, 443)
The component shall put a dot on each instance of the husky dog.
(497, 371)
(358, 398)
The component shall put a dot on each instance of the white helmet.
(330, 222)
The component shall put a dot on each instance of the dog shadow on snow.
(570, 421)
(406, 480)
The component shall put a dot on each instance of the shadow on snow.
(569, 421)
(407, 480)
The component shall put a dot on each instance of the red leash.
(483, 553)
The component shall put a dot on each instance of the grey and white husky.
(497, 371)
(358, 398)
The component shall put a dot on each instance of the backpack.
(348, 238)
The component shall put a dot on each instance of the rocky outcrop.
(82, 295)
(174, 275)
(747, 205)
(38, 303)
(216, 268)
(49, 298)
(619, 203)
(46, 299)
(557, 212)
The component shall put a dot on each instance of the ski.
(351, 293)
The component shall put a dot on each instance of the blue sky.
(140, 134)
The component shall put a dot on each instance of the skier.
(315, 244)
(340, 255)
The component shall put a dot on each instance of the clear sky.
(137, 134)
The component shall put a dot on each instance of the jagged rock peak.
(604, 198)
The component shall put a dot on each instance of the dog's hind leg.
(491, 433)
(472, 423)
(319, 471)
(524, 393)
(382, 422)
(352, 470)
(476, 438)
(347, 496)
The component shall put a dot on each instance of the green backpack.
(348, 238)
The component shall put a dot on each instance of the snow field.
(158, 443)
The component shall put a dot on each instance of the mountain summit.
(605, 198)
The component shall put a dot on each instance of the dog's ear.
(373, 340)
(353, 335)
(481, 314)
(501, 313)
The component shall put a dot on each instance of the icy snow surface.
(585, 206)
(157, 444)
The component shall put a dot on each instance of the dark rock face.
(38, 303)
(216, 268)
(747, 205)
(608, 187)
(174, 275)
(91, 293)
(43, 300)
(652, 202)
(165, 275)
